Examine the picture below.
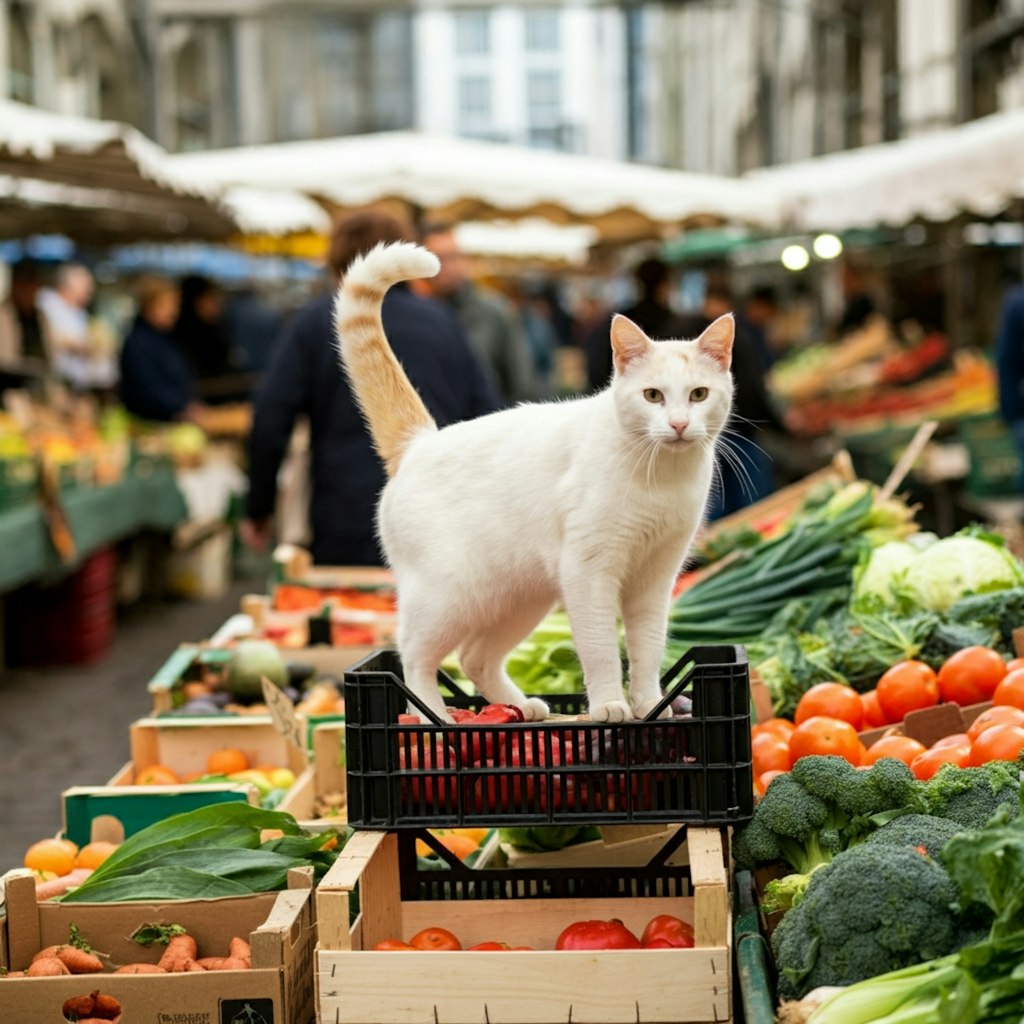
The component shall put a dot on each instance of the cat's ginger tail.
(392, 407)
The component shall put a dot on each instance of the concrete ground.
(63, 727)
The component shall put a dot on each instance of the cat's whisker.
(727, 431)
(734, 457)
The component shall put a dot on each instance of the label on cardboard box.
(247, 1011)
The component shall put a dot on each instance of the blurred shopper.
(24, 347)
(305, 377)
(759, 313)
(490, 323)
(66, 311)
(652, 313)
(859, 302)
(156, 380)
(203, 338)
(252, 327)
(745, 468)
(1010, 365)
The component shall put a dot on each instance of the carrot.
(48, 953)
(59, 886)
(107, 1007)
(79, 1006)
(223, 963)
(179, 949)
(78, 961)
(48, 967)
(141, 969)
(12, 974)
(239, 949)
(189, 965)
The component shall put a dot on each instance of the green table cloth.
(97, 516)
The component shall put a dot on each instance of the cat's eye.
(698, 394)
(653, 395)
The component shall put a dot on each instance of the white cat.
(592, 502)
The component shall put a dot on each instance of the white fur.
(591, 502)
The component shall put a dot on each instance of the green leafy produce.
(971, 796)
(541, 838)
(876, 579)
(251, 661)
(954, 567)
(546, 661)
(984, 982)
(920, 831)
(212, 851)
(874, 909)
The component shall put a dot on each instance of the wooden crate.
(358, 985)
(325, 775)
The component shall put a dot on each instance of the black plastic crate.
(693, 770)
(462, 882)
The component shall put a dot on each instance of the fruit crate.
(693, 770)
(356, 983)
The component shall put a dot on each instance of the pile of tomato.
(830, 717)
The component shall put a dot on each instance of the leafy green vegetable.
(212, 851)
(876, 579)
(147, 934)
(542, 838)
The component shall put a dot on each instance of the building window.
(542, 30)
(472, 32)
(474, 95)
(544, 109)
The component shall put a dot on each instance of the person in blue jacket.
(156, 381)
(305, 377)
(1010, 366)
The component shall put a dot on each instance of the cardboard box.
(929, 725)
(278, 989)
(357, 985)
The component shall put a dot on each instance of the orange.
(157, 775)
(93, 855)
(478, 835)
(265, 768)
(227, 761)
(56, 855)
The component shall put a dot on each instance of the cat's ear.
(717, 339)
(628, 342)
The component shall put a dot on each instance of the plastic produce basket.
(695, 769)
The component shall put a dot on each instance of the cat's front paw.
(611, 711)
(642, 708)
(534, 709)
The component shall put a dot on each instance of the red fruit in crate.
(971, 676)
(487, 947)
(499, 714)
(460, 715)
(671, 931)
(409, 720)
(426, 755)
(435, 939)
(389, 945)
(597, 935)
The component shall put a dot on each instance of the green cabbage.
(957, 566)
(879, 577)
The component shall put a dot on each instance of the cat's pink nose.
(679, 426)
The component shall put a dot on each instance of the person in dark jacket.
(203, 337)
(156, 380)
(1009, 357)
(651, 313)
(305, 377)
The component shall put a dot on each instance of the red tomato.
(971, 676)
(393, 944)
(435, 938)
(489, 946)
(925, 765)
(674, 933)
(833, 700)
(780, 726)
(770, 752)
(907, 686)
(597, 935)
(821, 735)
(762, 781)
(996, 715)
(956, 739)
(1014, 663)
(873, 717)
(901, 747)
(998, 743)
(1010, 689)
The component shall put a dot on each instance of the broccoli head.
(875, 908)
(920, 831)
(971, 796)
(824, 775)
(887, 785)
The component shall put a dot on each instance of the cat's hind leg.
(483, 653)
